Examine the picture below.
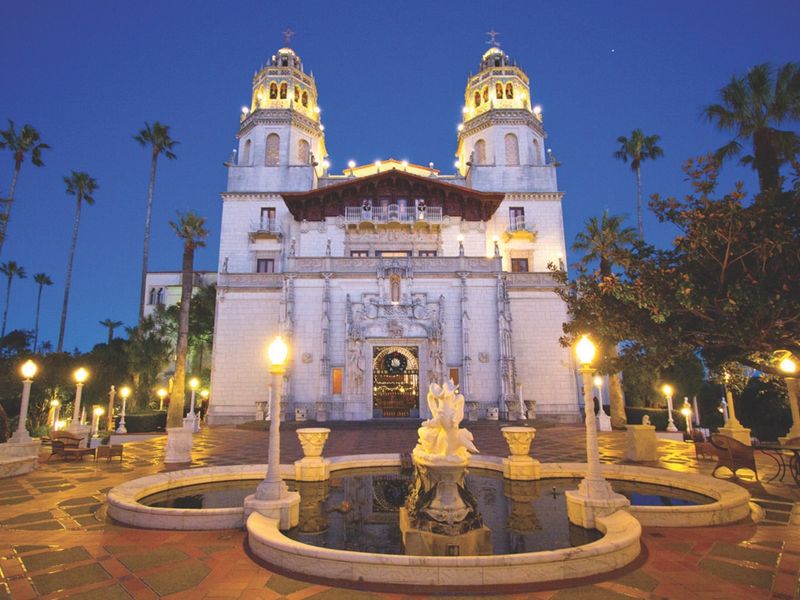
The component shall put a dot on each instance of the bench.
(61, 441)
(733, 454)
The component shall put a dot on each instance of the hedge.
(658, 417)
(144, 422)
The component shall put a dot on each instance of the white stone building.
(163, 288)
(391, 276)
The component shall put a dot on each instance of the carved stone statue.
(440, 438)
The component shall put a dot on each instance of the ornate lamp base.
(285, 510)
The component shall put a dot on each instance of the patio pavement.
(56, 542)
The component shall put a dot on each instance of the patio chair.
(703, 449)
(733, 454)
(61, 440)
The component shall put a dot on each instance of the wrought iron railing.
(393, 213)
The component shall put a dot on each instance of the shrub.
(658, 417)
(144, 422)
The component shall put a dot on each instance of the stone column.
(466, 369)
(506, 364)
(733, 428)
(288, 333)
(325, 358)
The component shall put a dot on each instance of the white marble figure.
(440, 438)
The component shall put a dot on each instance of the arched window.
(151, 299)
(284, 89)
(296, 94)
(305, 98)
(245, 160)
(303, 152)
(273, 150)
(536, 153)
(479, 153)
(273, 90)
(498, 90)
(512, 149)
(160, 299)
(509, 91)
(485, 94)
(477, 99)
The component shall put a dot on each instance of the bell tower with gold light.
(501, 137)
(281, 139)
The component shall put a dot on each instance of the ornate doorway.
(395, 381)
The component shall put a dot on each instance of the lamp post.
(124, 392)
(80, 376)
(96, 414)
(191, 419)
(112, 391)
(594, 496)
(162, 393)
(667, 390)
(28, 371)
(686, 411)
(273, 487)
(603, 420)
(204, 406)
(789, 367)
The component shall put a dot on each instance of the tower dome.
(283, 84)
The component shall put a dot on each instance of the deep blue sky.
(391, 79)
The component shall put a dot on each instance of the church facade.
(391, 276)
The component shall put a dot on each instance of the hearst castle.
(391, 276)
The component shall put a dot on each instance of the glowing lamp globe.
(598, 381)
(194, 383)
(351, 164)
(278, 351)
(98, 410)
(162, 393)
(667, 389)
(788, 366)
(125, 391)
(686, 411)
(81, 375)
(28, 369)
(204, 393)
(585, 350)
(55, 403)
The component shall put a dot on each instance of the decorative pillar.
(112, 391)
(506, 363)
(466, 367)
(325, 359)
(733, 428)
(288, 333)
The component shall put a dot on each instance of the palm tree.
(81, 185)
(10, 269)
(157, 137)
(637, 149)
(41, 280)
(28, 141)
(191, 229)
(111, 325)
(607, 242)
(752, 107)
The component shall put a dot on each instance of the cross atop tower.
(493, 35)
(287, 37)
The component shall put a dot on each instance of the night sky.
(391, 81)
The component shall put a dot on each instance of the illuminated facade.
(391, 276)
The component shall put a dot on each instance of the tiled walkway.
(56, 542)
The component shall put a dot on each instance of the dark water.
(358, 509)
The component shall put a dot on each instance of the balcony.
(264, 229)
(519, 228)
(393, 213)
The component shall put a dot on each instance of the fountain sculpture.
(440, 517)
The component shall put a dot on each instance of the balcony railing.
(265, 228)
(518, 227)
(393, 213)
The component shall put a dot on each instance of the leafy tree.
(148, 351)
(111, 326)
(643, 385)
(606, 242)
(41, 280)
(753, 106)
(11, 270)
(201, 324)
(28, 141)
(158, 139)
(191, 229)
(637, 149)
(16, 343)
(81, 185)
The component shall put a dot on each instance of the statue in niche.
(394, 285)
(436, 360)
(357, 364)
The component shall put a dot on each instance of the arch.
(272, 156)
(296, 94)
(498, 90)
(537, 152)
(161, 297)
(486, 93)
(509, 91)
(305, 98)
(245, 159)
(512, 149)
(151, 298)
(303, 152)
(477, 99)
(273, 91)
(284, 90)
(479, 153)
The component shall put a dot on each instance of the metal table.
(785, 457)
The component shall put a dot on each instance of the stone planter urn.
(312, 467)
(519, 465)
